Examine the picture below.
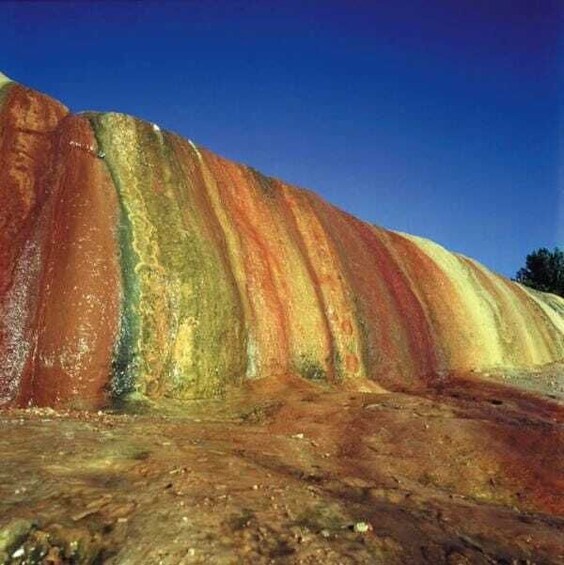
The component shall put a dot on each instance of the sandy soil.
(287, 472)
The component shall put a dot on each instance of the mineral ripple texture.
(134, 262)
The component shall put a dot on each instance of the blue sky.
(438, 118)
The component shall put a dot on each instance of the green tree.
(544, 270)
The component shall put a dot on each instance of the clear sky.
(440, 118)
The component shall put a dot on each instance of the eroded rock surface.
(290, 472)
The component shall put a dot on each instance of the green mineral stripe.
(126, 355)
(155, 310)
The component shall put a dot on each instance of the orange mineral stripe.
(27, 122)
(80, 284)
(270, 324)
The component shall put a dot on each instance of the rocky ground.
(287, 472)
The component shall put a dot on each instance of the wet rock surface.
(288, 472)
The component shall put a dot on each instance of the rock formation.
(132, 260)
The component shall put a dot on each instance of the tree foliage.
(544, 270)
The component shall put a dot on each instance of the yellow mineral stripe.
(4, 80)
(515, 322)
(481, 345)
(552, 308)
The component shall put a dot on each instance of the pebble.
(361, 527)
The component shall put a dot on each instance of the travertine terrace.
(200, 364)
(134, 261)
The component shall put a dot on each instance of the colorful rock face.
(132, 260)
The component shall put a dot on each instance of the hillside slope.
(132, 260)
